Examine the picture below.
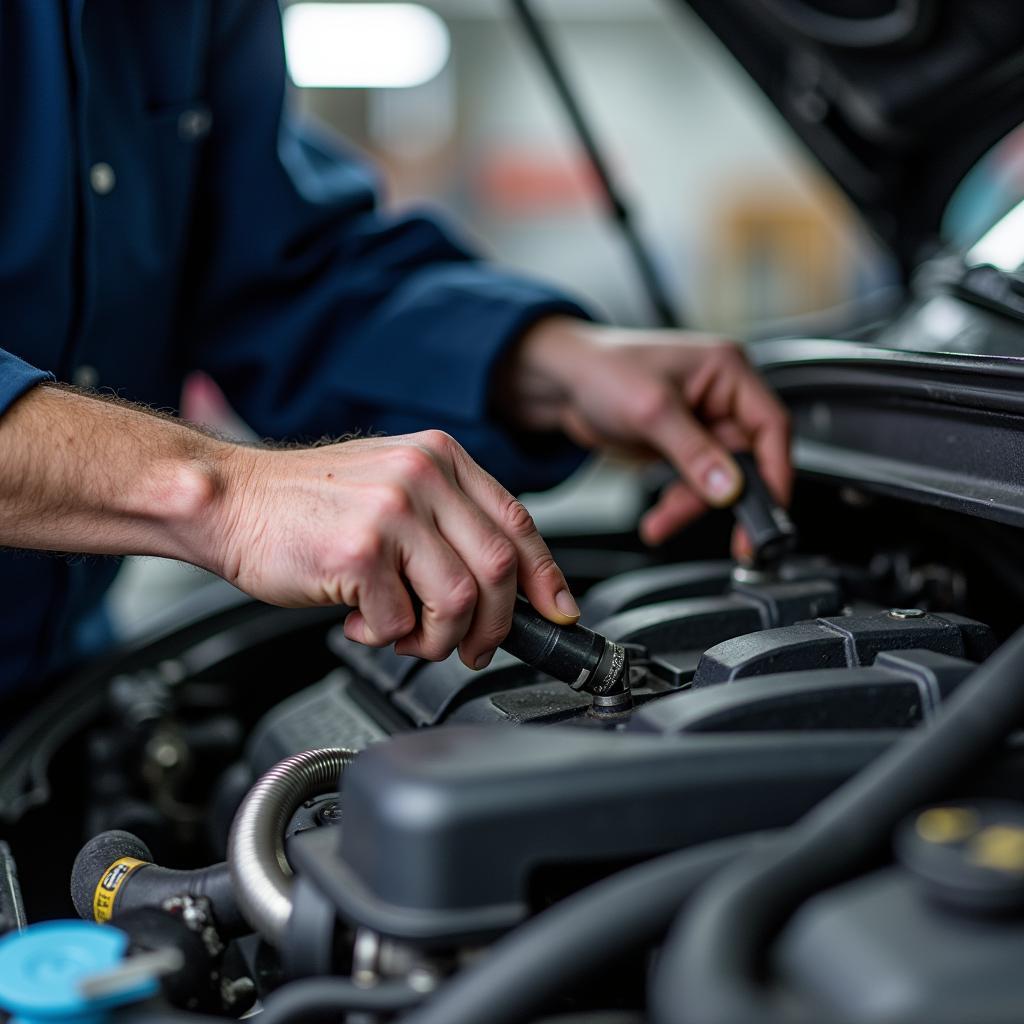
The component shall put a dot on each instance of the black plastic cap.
(968, 856)
(93, 860)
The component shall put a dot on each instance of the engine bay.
(474, 807)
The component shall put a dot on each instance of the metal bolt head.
(906, 613)
(164, 752)
(329, 814)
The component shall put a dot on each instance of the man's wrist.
(534, 384)
(191, 497)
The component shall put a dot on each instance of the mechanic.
(161, 212)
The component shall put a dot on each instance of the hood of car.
(896, 98)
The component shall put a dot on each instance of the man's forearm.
(354, 524)
(103, 477)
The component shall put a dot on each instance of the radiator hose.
(260, 874)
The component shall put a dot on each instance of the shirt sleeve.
(17, 377)
(318, 312)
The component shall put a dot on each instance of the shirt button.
(86, 376)
(194, 124)
(102, 178)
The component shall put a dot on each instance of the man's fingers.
(492, 559)
(540, 579)
(676, 507)
(702, 462)
(385, 613)
(447, 593)
(369, 581)
(726, 389)
(767, 422)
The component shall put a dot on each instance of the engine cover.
(445, 831)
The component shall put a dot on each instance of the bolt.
(906, 613)
(165, 753)
(329, 814)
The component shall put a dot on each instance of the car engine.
(276, 816)
(799, 802)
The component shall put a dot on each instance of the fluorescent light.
(1003, 244)
(364, 46)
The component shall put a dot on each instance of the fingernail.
(722, 486)
(483, 661)
(565, 603)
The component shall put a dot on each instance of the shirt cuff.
(17, 377)
(457, 322)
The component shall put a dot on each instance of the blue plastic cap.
(42, 967)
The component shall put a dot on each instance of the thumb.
(539, 577)
(544, 586)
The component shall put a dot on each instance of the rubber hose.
(150, 885)
(259, 870)
(566, 943)
(709, 969)
(295, 1003)
(310, 998)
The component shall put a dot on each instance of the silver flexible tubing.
(260, 874)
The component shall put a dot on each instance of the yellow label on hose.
(109, 885)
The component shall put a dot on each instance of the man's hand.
(383, 525)
(377, 523)
(685, 397)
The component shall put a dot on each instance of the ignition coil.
(576, 655)
(769, 529)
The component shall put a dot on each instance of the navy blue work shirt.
(160, 212)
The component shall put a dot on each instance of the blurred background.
(741, 224)
(450, 103)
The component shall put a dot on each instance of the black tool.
(771, 532)
(574, 654)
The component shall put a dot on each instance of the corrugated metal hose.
(260, 874)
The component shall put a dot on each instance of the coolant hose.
(710, 967)
(260, 873)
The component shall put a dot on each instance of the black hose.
(149, 885)
(296, 1003)
(563, 945)
(314, 998)
(708, 972)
